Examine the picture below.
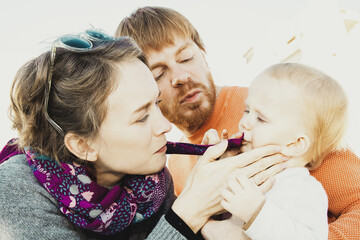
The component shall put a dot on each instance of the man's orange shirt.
(339, 173)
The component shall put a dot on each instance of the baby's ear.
(298, 147)
(79, 147)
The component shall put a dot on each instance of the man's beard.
(174, 112)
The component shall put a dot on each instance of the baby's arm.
(295, 208)
(243, 198)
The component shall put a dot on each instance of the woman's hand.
(229, 229)
(212, 137)
(201, 196)
(260, 172)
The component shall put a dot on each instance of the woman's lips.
(162, 150)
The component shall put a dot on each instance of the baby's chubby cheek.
(246, 146)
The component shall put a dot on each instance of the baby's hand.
(243, 198)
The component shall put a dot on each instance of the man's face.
(186, 85)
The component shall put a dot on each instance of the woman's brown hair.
(81, 83)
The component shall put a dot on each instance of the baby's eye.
(261, 120)
(246, 111)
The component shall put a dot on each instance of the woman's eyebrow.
(146, 106)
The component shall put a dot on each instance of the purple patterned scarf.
(89, 205)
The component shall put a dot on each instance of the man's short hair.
(156, 27)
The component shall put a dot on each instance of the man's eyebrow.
(146, 106)
(162, 64)
(182, 48)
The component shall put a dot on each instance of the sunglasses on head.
(76, 43)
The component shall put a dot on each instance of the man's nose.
(179, 77)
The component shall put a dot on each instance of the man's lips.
(192, 96)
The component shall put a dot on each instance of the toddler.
(304, 111)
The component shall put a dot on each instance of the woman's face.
(132, 137)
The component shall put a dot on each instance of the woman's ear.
(298, 147)
(79, 147)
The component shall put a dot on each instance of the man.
(194, 104)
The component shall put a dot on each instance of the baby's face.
(273, 114)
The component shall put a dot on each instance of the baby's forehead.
(277, 88)
(279, 97)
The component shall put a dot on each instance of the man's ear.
(298, 147)
(79, 147)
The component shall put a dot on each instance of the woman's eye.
(143, 119)
(246, 111)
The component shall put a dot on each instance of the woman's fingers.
(267, 185)
(211, 137)
(262, 169)
(237, 135)
(261, 177)
(255, 155)
(224, 135)
(213, 153)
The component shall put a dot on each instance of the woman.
(94, 138)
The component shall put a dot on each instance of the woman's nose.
(162, 125)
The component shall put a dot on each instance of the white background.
(228, 29)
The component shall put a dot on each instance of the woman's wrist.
(180, 225)
(189, 213)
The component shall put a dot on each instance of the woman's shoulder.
(20, 192)
(16, 170)
(17, 177)
(27, 210)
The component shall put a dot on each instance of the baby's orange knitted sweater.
(339, 173)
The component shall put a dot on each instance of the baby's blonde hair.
(325, 107)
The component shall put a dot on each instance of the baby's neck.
(297, 162)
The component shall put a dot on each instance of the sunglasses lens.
(98, 35)
(76, 42)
